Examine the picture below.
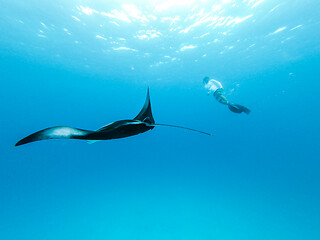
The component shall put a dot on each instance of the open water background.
(88, 63)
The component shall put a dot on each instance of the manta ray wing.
(145, 115)
(55, 133)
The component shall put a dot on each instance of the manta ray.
(143, 122)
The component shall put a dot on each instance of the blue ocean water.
(88, 63)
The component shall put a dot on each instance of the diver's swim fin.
(236, 108)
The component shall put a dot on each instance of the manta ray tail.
(55, 133)
(191, 129)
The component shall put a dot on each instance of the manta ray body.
(143, 122)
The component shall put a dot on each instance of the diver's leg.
(236, 108)
(218, 94)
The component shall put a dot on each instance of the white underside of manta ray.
(143, 122)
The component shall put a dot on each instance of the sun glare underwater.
(82, 65)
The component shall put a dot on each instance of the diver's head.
(206, 80)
